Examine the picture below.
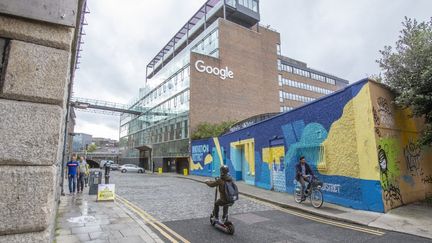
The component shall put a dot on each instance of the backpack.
(231, 191)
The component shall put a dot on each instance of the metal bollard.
(107, 176)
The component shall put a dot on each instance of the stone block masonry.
(59, 37)
(36, 60)
(27, 198)
(29, 133)
(35, 73)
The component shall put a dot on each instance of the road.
(178, 210)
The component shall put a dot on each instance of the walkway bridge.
(112, 108)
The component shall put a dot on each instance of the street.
(178, 209)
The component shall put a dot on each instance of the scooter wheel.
(212, 222)
(230, 229)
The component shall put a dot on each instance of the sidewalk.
(415, 219)
(81, 219)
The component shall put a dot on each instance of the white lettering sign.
(222, 73)
(335, 188)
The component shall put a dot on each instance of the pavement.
(81, 219)
(172, 208)
(414, 219)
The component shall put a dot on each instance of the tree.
(408, 71)
(91, 148)
(207, 130)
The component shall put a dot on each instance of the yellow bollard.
(185, 172)
(160, 170)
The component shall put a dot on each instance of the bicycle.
(314, 192)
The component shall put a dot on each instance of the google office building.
(222, 65)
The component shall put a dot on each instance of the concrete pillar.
(37, 48)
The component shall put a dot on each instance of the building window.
(284, 67)
(331, 81)
(278, 49)
(296, 97)
(300, 85)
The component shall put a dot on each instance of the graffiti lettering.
(391, 194)
(383, 106)
(377, 121)
(412, 156)
(427, 179)
(391, 191)
(375, 116)
(200, 148)
(384, 113)
(331, 187)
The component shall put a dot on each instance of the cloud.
(335, 36)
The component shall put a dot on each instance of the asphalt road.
(183, 207)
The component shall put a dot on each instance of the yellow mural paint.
(365, 131)
(218, 149)
(273, 154)
(194, 166)
(350, 148)
(249, 150)
(208, 159)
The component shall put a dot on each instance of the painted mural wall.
(338, 136)
(405, 168)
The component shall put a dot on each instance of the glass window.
(278, 49)
(254, 5)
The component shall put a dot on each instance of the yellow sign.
(106, 192)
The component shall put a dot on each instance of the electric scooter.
(224, 225)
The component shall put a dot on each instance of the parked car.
(131, 168)
(104, 163)
(114, 166)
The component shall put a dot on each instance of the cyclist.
(304, 173)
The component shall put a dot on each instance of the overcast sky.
(341, 37)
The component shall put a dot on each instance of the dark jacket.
(299, 170)
(220, 182)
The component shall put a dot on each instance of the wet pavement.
(81, 219)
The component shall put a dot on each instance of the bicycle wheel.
(297, 194)
(316, 198)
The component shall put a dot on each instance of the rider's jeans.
(302, 182)
(218, 203)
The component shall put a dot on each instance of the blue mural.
(302, 132)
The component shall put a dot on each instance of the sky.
(339, 37)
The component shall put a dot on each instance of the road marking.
(153, 222)
(319, 219)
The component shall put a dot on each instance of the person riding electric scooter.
(228, 195)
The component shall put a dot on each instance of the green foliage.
(91, 148)
(207, 130)
(408, 71)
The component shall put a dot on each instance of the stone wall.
(35, 68)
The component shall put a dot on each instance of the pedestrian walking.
(82, 172)
(72, 173)
(87, 174)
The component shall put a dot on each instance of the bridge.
(94, 159)
(112, 108)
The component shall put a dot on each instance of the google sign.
(222, 73)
